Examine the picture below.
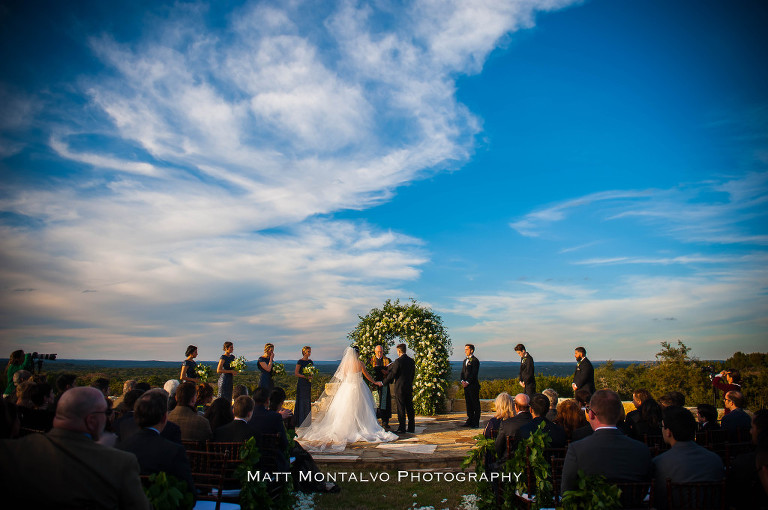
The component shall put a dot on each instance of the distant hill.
(488, 369)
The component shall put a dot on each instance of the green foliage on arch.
(428, 342)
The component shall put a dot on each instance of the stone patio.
(440, 443)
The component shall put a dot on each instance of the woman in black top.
(189, 367)
(303, 406)
(226, 374)
(265, 367)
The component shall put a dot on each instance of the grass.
(394, 494)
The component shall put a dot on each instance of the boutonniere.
(469, 361)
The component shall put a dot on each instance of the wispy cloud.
(200, 210)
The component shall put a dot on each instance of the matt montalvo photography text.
(367, 477)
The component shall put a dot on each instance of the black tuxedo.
(584, 376)
(265, 421)
(155, 453)
(469, 372)
(526, 374)
(509, 428)
(235, 431)
(402, 371)
(610, 453)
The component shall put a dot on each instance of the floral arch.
(428, 343)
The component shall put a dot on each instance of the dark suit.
(555, 432)
(66, 469)
(584, 376)
(526, 375)
(155, 453)
(265, 421)
(384, 410)
(126, 427)
(235, 431)
(736, 422)
(685, 462)
(469, 372)
(610, 453)
(509, 428)
(402, 372)
(193, 426)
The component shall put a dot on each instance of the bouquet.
(310, 371)
(278, 369)
(203, 372)
(238, 364)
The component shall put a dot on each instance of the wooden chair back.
(636, 495)
(208, 474)
(696, 495)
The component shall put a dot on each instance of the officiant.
(380, 364)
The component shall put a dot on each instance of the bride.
(348, 415)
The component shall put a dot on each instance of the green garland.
(423, 332)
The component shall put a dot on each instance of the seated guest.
(193, 426)
(638, 397)
(240, 389)
(124, 426)
(706, 416)
(39, 415)
(128, 385)
(539, 408)
(672, 398)
(264, 421)
(685, 461)
(143, 386)
(748, 476)
(737, 422)
(552, 396)
(582, 396)
(154, 452)
(238, 430)
(219, 413)
(102, 384)
(24, 393)
(74, 470)
(9, 420)
(276, 401)
(505, 409)
(649, 423)
(170, 387)
(509, 427)
(204, 397)
(727, 380)
(64, 382)
(126, 406)
(571, 418)
(607, 452)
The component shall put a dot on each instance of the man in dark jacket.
(238, 429)
(584, 376)
(527, 379)
(154, 452)
(469, 372)
(509, 427)
(539, 408)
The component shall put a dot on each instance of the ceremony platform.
(440, 443)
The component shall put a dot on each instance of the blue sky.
(549, 172)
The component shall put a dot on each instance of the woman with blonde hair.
(303, 406)
(265, 367)
(505, 409)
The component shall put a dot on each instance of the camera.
(36, 355)
(710, 371)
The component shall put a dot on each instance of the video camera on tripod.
(37, 359)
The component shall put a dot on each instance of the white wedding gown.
(350, 414)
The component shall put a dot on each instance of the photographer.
(732, 381)
(18, 361)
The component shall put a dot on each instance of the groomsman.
(380, 364)
(469, 380)
(584, 376)
(527, 379)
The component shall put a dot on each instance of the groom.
(402, 372)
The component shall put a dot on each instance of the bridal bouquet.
(310, 371)
(203, 372)
(238, 364)
(278, 369)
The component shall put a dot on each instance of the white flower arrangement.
(238, 364)
(310, 371)
(203, 372)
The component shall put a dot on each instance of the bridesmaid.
(265, 367)
(303, 406)
(189, 367)
(226, 373)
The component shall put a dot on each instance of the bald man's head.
(521, 402)
(80, 409)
